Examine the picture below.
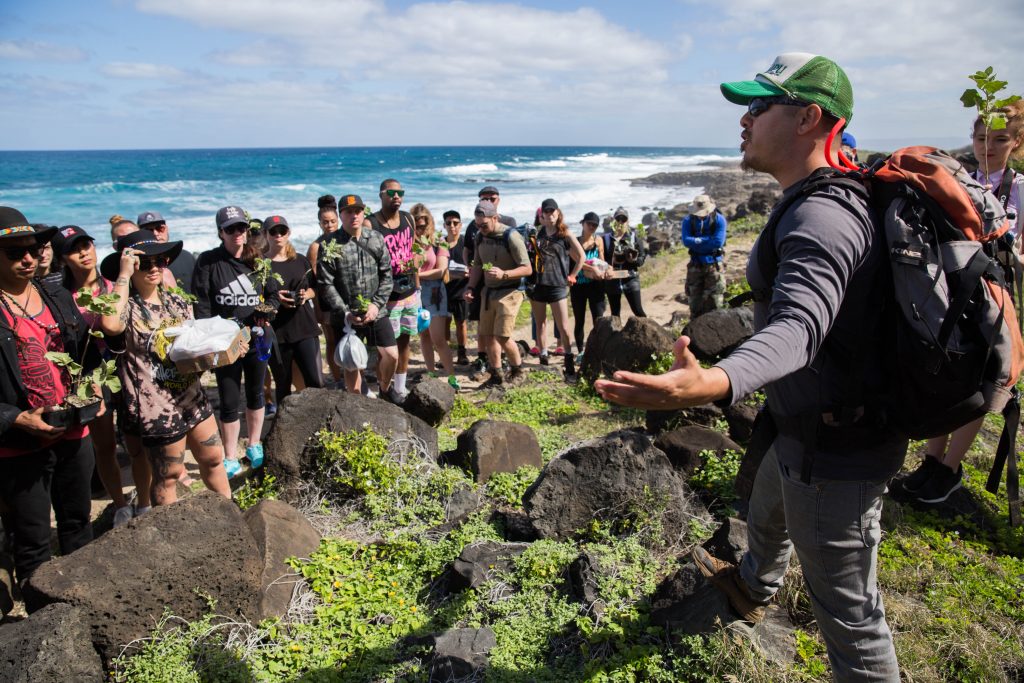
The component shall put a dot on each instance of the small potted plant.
(261, 274)
(82, 402)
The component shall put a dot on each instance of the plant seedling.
(362, 304)
(984, 99)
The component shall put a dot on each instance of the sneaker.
(270, 409)
(255, 455)
(142, 509)
(122, 515)
(515, 376)
(535, 351)
(495, 380)
(916, 479)
(570, 366)
(726, 577)
(559, 351)
(462, 359)
(453, 382)
(544, 358)
(940, 485)
(393, 395)
(232, 467)
(478, 370)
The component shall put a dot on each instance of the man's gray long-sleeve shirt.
(828, 258)
(362, 269)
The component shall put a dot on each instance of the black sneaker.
(940, 485)
(544, 358)
(570, 367)
(462, 359)
(478, 369)
(916, 479)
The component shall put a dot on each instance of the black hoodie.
(223, 286)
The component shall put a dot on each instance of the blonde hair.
(421, 211)
(1014, 114)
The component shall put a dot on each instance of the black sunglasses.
(236, 229)
(18, 253)
(760, 105)
(154, 261)
(277, 231)
(453, 222)
(395, 193)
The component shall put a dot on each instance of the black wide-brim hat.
(14, 224)
(141, 241)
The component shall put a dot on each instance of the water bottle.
(262, 343)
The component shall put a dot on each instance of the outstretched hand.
(685, 385)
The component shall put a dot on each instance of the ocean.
(188, 186)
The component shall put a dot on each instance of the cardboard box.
(217, 359)
(620, 274)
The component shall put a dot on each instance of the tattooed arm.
(114, 324)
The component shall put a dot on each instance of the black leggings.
(306, 354)
(229, 380)
(630, 288)
(56, 476)
(581, 294)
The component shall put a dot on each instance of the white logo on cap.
(67, 232)
(232, 212)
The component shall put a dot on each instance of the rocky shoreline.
(736, 192)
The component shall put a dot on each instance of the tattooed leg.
(209, 454)
(167, 463)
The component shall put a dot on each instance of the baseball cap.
(65, 238)
(849, 140)
(231, 215)
(487, 189)
(276, 220)
(485, 209)
(803, 76)
(620, 212)
(548, 204)
(702, 206)
(347, 201)
(147, 217)
(591, 217)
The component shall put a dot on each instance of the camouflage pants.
(705, 287)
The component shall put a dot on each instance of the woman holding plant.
(433, 256)
(165, 409)
(940, 472)
(298, 337)
(230, 281)
(81, 276)
(40, 464)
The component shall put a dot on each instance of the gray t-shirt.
(828, 260)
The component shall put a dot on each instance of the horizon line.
(297, 147)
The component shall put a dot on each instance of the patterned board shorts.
(404, 314)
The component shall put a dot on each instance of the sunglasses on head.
(150, 262)
(236, 229)
(277, 231)
(760, 105)
(395, 193)
(18, 253)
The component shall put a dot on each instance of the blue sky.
(265, 73)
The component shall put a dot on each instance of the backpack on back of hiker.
(953, 346)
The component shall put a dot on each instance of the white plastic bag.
(350, 353)
(597, 264)
(196, 338)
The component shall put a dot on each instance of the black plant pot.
(84, 414)
(59, 417)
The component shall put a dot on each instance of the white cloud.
(142, 71)
(40, 52)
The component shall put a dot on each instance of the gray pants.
(834, 528)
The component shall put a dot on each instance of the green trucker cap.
(802, 76)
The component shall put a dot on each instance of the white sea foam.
(468, 169)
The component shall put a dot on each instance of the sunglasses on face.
(395, 193)
(236, 229)
(760, 105)
(277, 231)
(453, 222)
(153, 262)
(18, 253)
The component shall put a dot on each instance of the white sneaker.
(141, 510)
(122, 515)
